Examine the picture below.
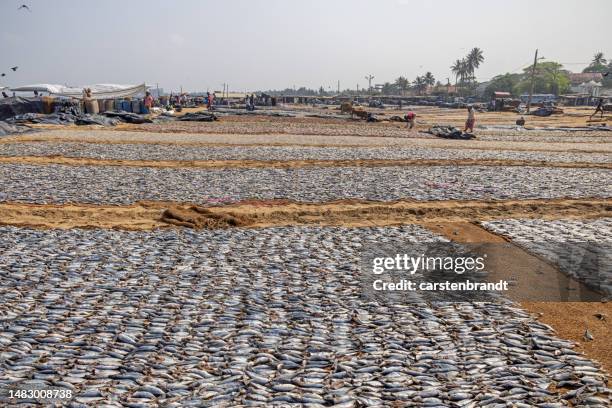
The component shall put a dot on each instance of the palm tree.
(388, 88)
(429, 79)
(402, 84)
(472, 62)
(598, 59)
(419, 84)
(464, 73)
(475, 58)
(457, 69)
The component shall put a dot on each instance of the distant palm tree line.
(464, 69)
(419, 84)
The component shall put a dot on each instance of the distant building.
(502, 95)
(442, 90)
(585, 88)
(577, 78)
(591, 88)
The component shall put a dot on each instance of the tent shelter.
(98, 91)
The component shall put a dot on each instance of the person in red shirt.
(410, 119)
(148, 102)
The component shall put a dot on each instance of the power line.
(523, 66)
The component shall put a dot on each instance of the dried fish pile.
(580, 248)
(125, 185)
(178, 152)
(282, 126)
(545, 136)
(270, 317)
(536, 142)
(344, 128)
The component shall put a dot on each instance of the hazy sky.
(264, 44)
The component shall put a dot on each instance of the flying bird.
(14, 68)
(24, 6)
(3, 74)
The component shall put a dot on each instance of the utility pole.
(535, 62)
(338, 87)
(369, 78)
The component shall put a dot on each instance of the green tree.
(419, 85)
(598, 58)
(388, 89)
(550, 77)
(503, 83)
(402, 84)
(597, 68)
(458, 69)
(429, 79)
(473, 61)
(598, 64)
(464, 69)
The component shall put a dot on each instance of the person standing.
(599, 109)
(252, 101)
(148, 102)
(471, 119)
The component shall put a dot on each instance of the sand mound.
(201, 218)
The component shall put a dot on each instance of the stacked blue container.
(136, 106)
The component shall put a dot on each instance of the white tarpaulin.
(98, 91)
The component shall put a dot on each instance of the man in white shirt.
(471, 119)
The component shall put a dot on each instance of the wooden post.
(535, 62)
